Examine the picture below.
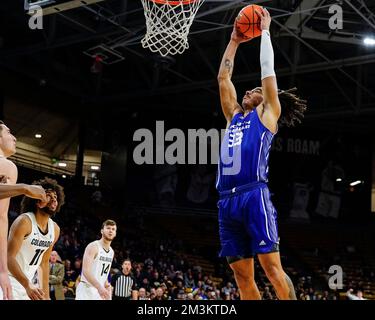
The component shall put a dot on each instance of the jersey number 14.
(105, 269)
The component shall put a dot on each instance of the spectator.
(357, 296)
(155, 281)
(218, 295)
(267, 294)
(312, 294)
(146, 284)
(56, 277)
(227, 289)
(70, 274)
(77, 266)
(179, 288)
(181, 295)
(159, 295)
(189, 281)
(211, 295)
(142, 294)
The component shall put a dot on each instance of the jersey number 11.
(35, 260)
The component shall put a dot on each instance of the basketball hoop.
(168, 24)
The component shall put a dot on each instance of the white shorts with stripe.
(87, 292)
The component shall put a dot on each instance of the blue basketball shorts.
(247, 221)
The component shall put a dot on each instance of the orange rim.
(173, 3)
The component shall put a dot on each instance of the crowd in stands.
(162, 272)
(160, 267)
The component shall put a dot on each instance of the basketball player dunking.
(31, 239)
(247, 218)
(97, 261)
(10, 188)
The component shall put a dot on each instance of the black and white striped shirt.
(123, 285)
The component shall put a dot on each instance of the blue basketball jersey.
(244, 152)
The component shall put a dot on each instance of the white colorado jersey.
(101, 265)
(33, 247)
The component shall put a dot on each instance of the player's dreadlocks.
(292, 108)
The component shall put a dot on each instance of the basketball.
(248, 22)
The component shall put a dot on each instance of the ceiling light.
(95, 168)
(38, 136)
(355, 183)
(369, 41)
(62, 164)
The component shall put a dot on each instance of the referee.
(124, 284)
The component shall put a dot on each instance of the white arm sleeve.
(266, 55)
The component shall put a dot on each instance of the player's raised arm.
(14, 190)
(20, 229)
(228, 95)
(88, 259)
(269, 83)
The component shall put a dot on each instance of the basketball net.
(168, 24)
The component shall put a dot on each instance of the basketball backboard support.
(107, 54)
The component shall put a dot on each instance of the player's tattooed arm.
(228, 95)
(229, 67)
(227, 64)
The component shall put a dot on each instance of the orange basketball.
(248, 22)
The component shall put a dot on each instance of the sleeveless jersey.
(101, 265)
(33, 247)
(244, 152)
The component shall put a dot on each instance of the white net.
(168, 24)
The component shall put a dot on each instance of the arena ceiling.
(52, 68)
